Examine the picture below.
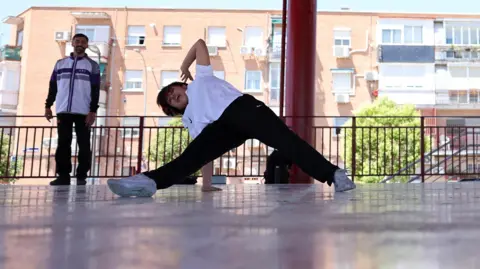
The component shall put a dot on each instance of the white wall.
(407, 83)
(428, 29)
(457, 77)
(406, 76)
(404, 97)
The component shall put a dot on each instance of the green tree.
(8, 167)
(169, 143)
(384, 145)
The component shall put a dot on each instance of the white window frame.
(19, 38)
(175, 29)
(95, 38)
(414, 29)
(218, 44)
(391, 36)
(339, 34)
(252, 171)
(219, 74)
(274, 65)
(134, 80)
(348, 72)
(337, 124)
(227, 163)
(453, 27)
(247, 72)
(250, 29)
(163, 75)
(139, 38)
(128, 128)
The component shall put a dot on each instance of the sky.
(14, 7)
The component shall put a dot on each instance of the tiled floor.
(244, 226)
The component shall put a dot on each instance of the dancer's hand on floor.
(210, 189)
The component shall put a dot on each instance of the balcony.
(10, 53)
(460, 83)
(457, 55)
(467, 99)
(98, 51)
(275, 52)
(406, 54)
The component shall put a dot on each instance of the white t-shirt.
(208, 97)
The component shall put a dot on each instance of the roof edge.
(426, 15)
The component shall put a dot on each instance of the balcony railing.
(457, 56)
(275, 50)
(370, 148)
(10, 53)
(458, 99)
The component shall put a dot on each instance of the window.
(338, 123)
(413, 35)
(342, 81)
(458, 72)
(342, 37)
(216, 37)
(128, 170)
(172, 35)
(20, 38)
(95, 33)
(164, 121)
(253, 37)
(391, 36)
(473, 168)
(168, 77)
(253, 80)
(136, 36)
(219, 74)
(274, 78)
(461, 34)
(129, 124)
(133, 80)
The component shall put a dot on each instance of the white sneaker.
(342, 182)
(138, 185)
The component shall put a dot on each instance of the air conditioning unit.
(229, 163)
(212, 50)
(371, 76)
(245, 50)
(260, 52)
(341, 51)
(342, 98)
(62, 36)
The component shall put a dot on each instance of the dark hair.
(80, 35)
(162, 100)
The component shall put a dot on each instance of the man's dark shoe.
(81, 181)
(61, 181)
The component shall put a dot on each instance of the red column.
(300, 73)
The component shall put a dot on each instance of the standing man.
(75, 86)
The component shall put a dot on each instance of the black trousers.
(244, 119)
(63, 155)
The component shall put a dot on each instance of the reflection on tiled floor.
(244, 226)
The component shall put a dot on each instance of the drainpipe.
(367, 45)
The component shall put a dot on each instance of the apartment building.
(433, 61)
(140, 50)
(429, 60)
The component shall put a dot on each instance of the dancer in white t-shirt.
(220, 118)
